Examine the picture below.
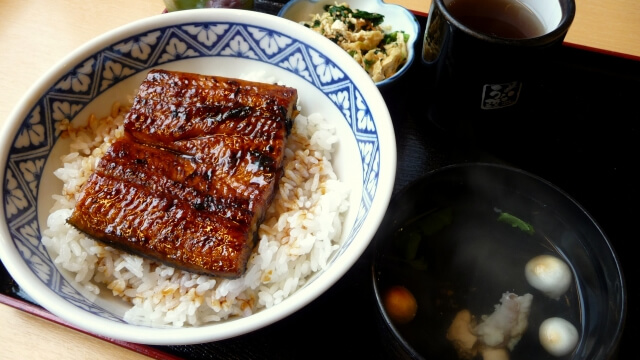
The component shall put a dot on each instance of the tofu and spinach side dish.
(380, 50)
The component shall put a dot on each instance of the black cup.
(478, 78)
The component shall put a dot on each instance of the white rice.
(301, 230)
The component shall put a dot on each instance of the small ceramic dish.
(395, 16)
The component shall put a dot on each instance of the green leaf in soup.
(516, 222)
(411, 246)
(436, 221)
(411, 235)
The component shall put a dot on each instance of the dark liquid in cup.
(501, 18)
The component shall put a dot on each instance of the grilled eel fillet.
(197, 168)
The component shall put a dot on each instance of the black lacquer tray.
(580, 133)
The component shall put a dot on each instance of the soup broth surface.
(459, 255)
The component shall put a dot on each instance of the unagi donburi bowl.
(223, 42)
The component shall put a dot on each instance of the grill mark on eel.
(192, 178)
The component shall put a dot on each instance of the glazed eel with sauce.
(190, 181)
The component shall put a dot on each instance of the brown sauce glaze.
(191, 179)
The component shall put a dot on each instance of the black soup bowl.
(486, 261)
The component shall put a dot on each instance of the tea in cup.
(484, 56)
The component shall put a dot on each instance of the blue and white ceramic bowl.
(225, 42)
(395, 16)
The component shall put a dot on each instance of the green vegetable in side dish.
(363, 35)
(393, 37)
(343, 12)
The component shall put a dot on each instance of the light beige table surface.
(36, 34)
